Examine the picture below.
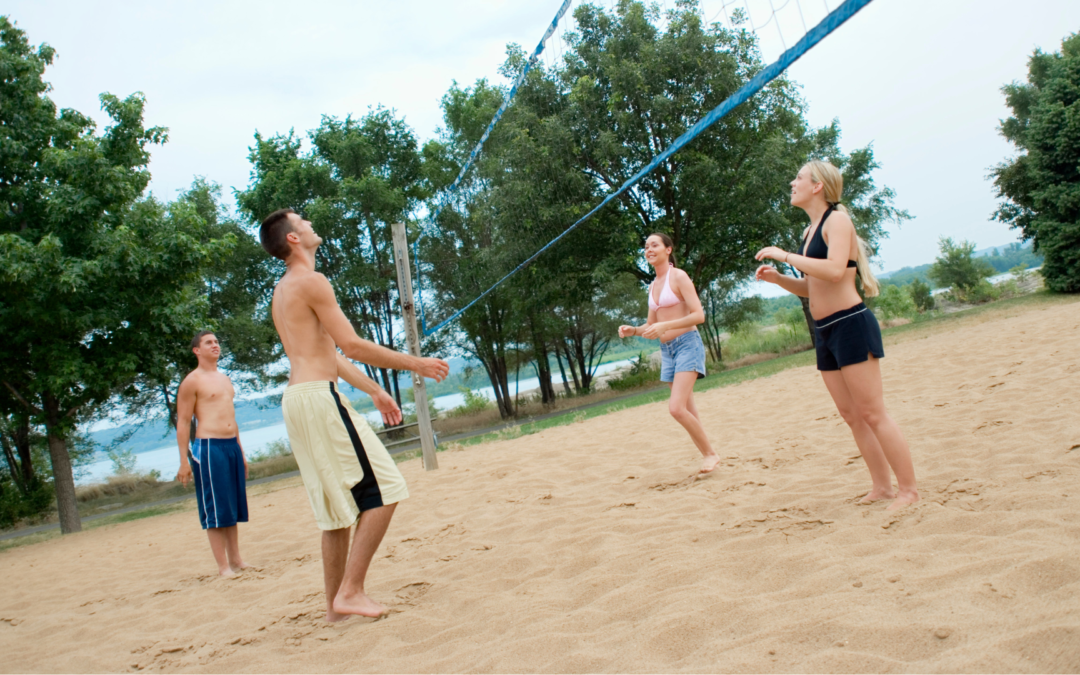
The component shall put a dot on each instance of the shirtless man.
(349, 475)
(221, 468)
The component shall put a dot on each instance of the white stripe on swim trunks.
(845, 317)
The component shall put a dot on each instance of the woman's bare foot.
(876, 495)
(357, 603)
(227, 572)
(239, 567)
(336, 617)
(904, 498)
(709, 463)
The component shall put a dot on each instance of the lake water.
(166, 459)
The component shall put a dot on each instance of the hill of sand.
(592, 547)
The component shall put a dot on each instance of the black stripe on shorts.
(366, 493)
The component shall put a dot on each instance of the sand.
(592, 547)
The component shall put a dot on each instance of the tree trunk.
(573, 370)
(809, 319)
(22, 446)
(562, 371)
(63, 478)
(543, 366)
(504, 382)
(170, 406)
(13, 466)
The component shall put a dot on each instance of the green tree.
(725, 311)
(358, 179)
(634, 88)
(635, 85)
(91, 277)
(237, 289)
(1041, 187)
(955, 268)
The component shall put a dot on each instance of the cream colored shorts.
(344, 465)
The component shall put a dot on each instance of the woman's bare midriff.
(673, 313)
(828, 297)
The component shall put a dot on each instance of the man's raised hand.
(436, 369)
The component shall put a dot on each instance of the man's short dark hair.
(272, 233)
(196, 341)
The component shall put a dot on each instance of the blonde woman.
(847, 335)
(674, 314)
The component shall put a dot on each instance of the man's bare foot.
(709, 463)
(358, 603)
(904, 498)
(876, 495)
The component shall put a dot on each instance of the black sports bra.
(817, 248)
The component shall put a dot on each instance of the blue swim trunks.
(220, 487)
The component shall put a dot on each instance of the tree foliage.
(357, 179)
(955, 267)
(1041, 187)
(92, 278)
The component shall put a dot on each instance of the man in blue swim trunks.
(214, 459)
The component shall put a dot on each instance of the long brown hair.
(666, 240)
(832, 182)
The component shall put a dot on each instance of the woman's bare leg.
(865, 439)
(681, 407)
(863, 381)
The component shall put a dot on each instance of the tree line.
(102, 285)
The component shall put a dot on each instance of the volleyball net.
(786, 28)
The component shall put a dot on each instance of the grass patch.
(149, 511)
(917, 329)
(753, 339)
(926, 325)
(723, 379)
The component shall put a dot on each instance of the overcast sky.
(920, 79)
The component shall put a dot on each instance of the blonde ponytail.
(870, 284)
(832, 182)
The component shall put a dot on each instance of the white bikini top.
(667, 296)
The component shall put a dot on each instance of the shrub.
(15, 505)
(475, 403)
(895, 303)
(115, 486)
(278, 448)
(984, 291)
(123, 461)
(920, 294)
(641, 373)
(1020, 274)
(271, 466)
(755, 339)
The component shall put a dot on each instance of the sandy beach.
(593, 546)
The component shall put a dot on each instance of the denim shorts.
(684, 354)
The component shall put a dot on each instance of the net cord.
(480, 144)
(816, 34)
